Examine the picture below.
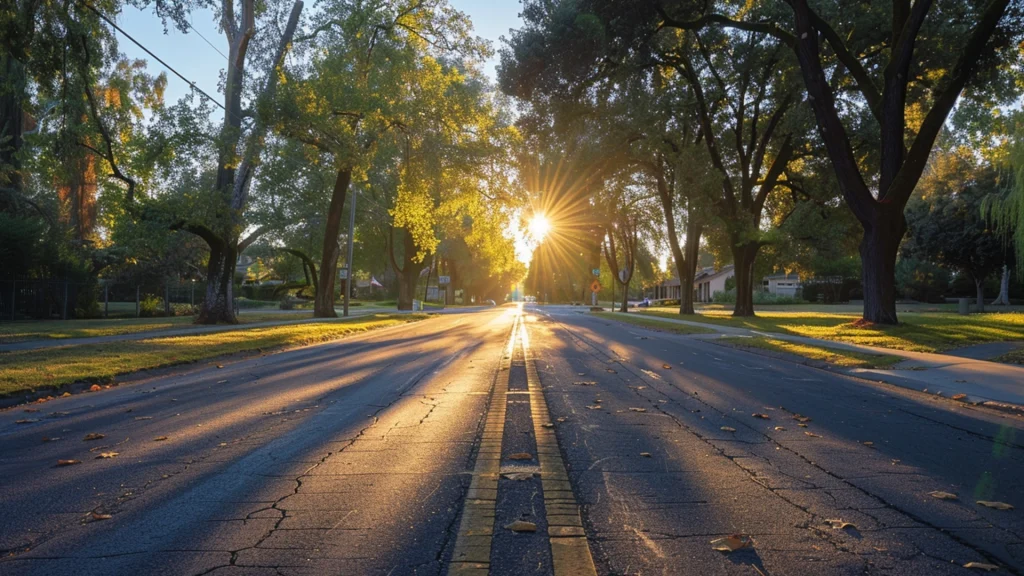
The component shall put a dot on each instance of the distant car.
(490, 302)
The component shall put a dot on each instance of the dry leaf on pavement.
(26, 420)
(761, 416)
(982, 566)
(638, 409)
(159, 438)
(666, 366)
(521, 526)
(610, 371)
(585, 383)
(106, 455)
(800, 418)
(68, 462)
(780, 428)
(812, 435)
(728, 429)
(521, 456)
(548, 425)
(841, 524)
(94, 436)
(594, 407)
(732, 543)
(645, 454)
(95, 388)
(802, 425)
(959, 396)
(995, 505)
(943, 495)
(869, 444)
(96, 516)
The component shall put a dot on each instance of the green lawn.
(821, 353)
(59, 329)
(919, 332)
(639, 320)
(25, 371)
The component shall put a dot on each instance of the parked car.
(490, 302)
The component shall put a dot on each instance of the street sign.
(623, 273)
(343, 273)
(595, 286)
(596, 271)
(444, 280)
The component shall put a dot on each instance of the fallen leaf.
(728, 429)
(94, 436)
(548, 425)
(841, 524)
(761, 416)
(48, 439)
(585, 383)
(68, 462)
(222, 382)
(732, 543)
(610, 371)
(943, 495)
(562, 419)
(800, 418)
(96, 516)
(159, 438)
(65, 395)
(812, 435)
(594, 407)
(802, 425)
(521, 456)
(220, 365)
(645, 454)
(780, 428)
(30, 410)
(638, 409)
(518, 475)
(26, 420)
(107, 455)
(995, 505)
(521, 526)
(869, 444)
(93, 388)
(982, 566)
(143, 417)
(959, 396)
(666, 366)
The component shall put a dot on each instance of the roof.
(702, 274)
(782, 276)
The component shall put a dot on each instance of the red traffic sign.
(595, 286)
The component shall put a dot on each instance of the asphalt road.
(409, 450)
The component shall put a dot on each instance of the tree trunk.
(220, 276)
(1004, 289)
(12, 95)
(323, 306)
(878, 249)
(743, 257)
(410, 274)
(979, 284)
(625, 296)
(689, 271)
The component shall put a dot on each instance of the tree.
(945, 220)
(1004, 210)
(895, 74)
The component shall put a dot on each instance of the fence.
(56, 299)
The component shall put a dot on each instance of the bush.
(287, 303)
(760, 298)
(151, 306)
(922, 281)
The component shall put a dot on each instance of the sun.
(539, 227)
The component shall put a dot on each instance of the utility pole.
(348, 260)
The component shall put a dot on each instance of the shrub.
(151, 306)
(287, 303)
(760, 297)
(920, 280)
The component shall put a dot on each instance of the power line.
(150, 52)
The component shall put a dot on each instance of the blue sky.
(200, 62)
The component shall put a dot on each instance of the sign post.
(595, 287)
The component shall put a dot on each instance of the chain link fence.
(57, 299)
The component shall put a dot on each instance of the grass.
(917, 332)
(60, 329)
(823, 354)
(638, 320)
(25, 371)
(1015, 357)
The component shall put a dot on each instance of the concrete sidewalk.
(185, 330)
(943, 374)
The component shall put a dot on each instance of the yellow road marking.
(570, 553)
(472, 553)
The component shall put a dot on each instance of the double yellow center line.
(570, 554)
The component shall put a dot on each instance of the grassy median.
(62, 329)
(832, 356)
(917, 332)
(652, 323)
(25, 371)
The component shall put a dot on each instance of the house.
(706, 282)
(782, 284)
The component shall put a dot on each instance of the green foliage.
(920, 280)
(760, 298)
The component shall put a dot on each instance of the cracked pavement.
(355, 457)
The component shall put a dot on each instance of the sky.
(195, 55)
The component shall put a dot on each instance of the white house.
(782, 284)
(706, 282)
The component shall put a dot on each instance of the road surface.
(414, 449)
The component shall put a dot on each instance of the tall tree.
(884, 77)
